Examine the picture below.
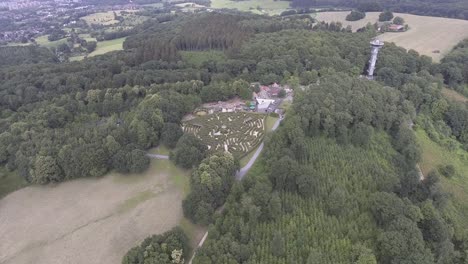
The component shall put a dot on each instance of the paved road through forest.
(243, 171)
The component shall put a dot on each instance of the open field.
(434, 155)
(92, 220)
(104, 18)
(426, 34)
(270, 7)
(197, 58)
(108, 46)
(43, 41)
(454, 96)
(237, 133)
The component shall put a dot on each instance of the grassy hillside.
(433, 156)
(108, 46)
(115, 212)
(426, 34)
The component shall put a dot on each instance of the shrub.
(355, 16)
(447, 170)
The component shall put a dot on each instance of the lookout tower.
(376, 45)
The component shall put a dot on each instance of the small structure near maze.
(237, 133)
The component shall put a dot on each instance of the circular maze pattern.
(237, 133)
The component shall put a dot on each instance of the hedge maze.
(237, 133)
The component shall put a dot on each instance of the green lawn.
(269, 122)
(197, 58)
(108, 46)
(9, 182)
(266, 6)
(43, 41)
(161, 150)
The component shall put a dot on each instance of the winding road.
(239, 175)
(243, 171)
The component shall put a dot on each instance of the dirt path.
(157, 156)
(93, 221)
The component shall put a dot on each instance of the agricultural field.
(427, 35)
(238, 133)
(104, 18)
(269, 7)
(106, 217)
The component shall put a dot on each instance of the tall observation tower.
(376, 45)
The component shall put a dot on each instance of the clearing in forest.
(108, 46)
(435, 155)
(454, 95)
(431, 36)
(238, 133)
(93, 221)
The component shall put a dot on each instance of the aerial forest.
(336, 183)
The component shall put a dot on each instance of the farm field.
(238, 133)
(270, 7)
(434, 155)
(104, 18)
(426, 34)
(92, 220)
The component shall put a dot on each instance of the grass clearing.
(270, 7)
(197, 58)
(43, 41)
(270, 122)
(426, 34)
(108, 46)
(434, 155)
(454, 95)
(55, 224)
(10, 182)
(160, 150)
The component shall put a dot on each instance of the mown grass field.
(270, 7)
(108, 46)
(43, 41)
(426, 34)
(55, 224)
(197, 58)
(434, 155)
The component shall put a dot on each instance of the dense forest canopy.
(338, 181)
